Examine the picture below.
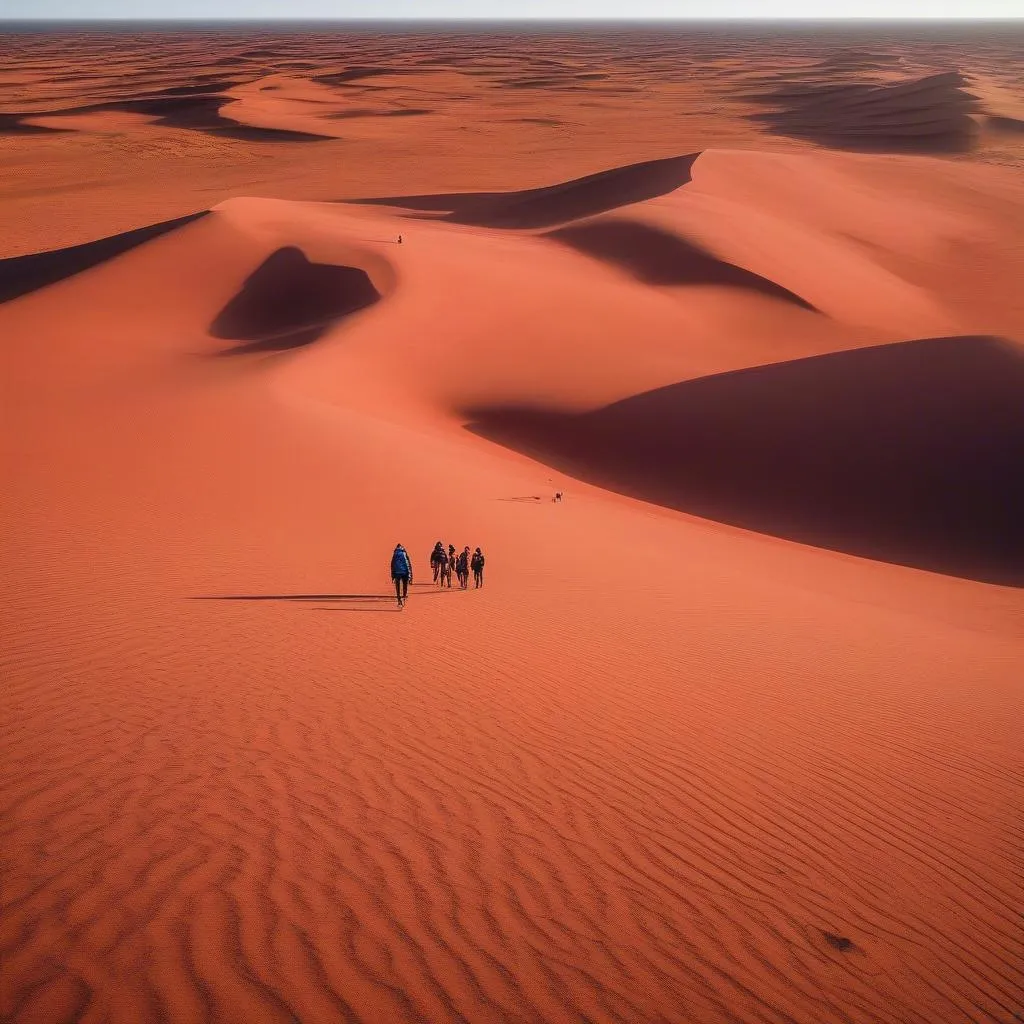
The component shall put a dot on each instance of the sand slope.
(660, 768)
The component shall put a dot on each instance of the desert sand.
(733, 733)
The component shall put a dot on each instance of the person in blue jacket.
(401, 573)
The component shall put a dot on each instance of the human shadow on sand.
(295, 597)
(288, 302)
(908, 453)
(307, 597)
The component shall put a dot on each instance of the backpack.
(400, 563)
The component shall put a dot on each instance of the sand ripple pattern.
(278, 836)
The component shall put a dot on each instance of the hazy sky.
(628, 9)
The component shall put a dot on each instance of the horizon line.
(172, 19)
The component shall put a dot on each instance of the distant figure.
(449, 565)
(437, 556)
(558, 496)
(462, 567)
(401, 573)
(477, 565)
(399, 239)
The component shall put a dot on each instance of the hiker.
(401, 573)
(477, 565)
(462, 567)
(437, 556)
(448, 566)
(399, 239)
(558, 496)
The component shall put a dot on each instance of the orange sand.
(732, 734)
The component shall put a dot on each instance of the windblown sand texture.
(732, 734)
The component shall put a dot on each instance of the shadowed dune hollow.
(908, 453)
(288, 302)
(659, 257)
(930, 114)
(554, 204)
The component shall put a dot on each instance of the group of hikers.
(442, 564)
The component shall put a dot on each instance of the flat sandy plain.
(731, 734)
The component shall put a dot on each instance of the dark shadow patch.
(355, 74)
(840, 942)
(20, 275)
(1009, 125)
(908, 453)
(343, 115)
(200, 89)
(554, 204)
(288, 302)
(251, 133)
(548, 121)
(658, 257)
(278, 342)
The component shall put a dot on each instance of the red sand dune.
(667, 765)
(905, 452)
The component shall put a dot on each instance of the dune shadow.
(289, 302)
(922, 115)
(659, 257)
(355, 73)
(194, 112)
(553, 204)
(1008, 125)
(908, 453)
(12, 124)
(20, 275)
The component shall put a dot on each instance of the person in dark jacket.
(401, 573)
(437, 557)
(477, 565)
(446, 569)
(462, 567)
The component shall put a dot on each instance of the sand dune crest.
(20, 275)
(555, 204)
